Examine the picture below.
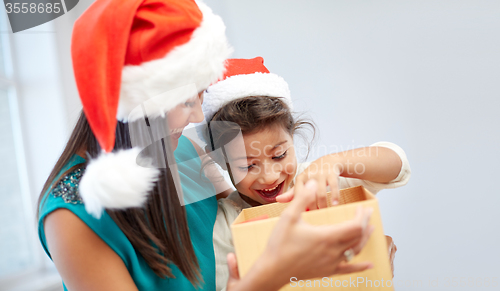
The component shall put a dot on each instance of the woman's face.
(267, 168)
(182, 115)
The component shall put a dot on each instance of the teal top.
(201, 211)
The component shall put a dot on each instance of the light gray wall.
(41, 117)
(422, 74)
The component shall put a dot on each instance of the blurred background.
(422, 74)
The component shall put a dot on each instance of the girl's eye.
(282, 156)
(244, 169)
(189, 104)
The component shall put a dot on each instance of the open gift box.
(250, 240)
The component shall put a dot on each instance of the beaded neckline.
(67, 188)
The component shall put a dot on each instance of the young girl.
(263, 163)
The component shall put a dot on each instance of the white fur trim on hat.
(199, 61)
(239, 86)
(116, 181)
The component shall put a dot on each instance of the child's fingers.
(301, 180)
(304, 196)
(392, 252)
(233, 267)
(390, 243)
(286, 197)
(334, 189)
(321, 198)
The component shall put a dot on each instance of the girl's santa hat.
(125, 53)
(244, 78)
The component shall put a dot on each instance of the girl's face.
(267, 168)
(182, 115)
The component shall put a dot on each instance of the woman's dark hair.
(159, 231)
(250, 115)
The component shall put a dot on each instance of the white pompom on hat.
(116, 174)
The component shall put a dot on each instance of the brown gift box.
(250, 240)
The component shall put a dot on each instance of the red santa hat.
(244, 78)
(124, 54)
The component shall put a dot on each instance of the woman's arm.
(83, 259)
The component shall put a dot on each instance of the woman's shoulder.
(64, 201)
(64, 193)
(67, 188)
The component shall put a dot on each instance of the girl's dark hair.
(159, 231)
(252, 114)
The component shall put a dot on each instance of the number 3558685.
(33, 8)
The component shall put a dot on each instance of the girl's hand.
(379, 164)
(234, 274)
(298, 249)
(326, 173)
(392, 252)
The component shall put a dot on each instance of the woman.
(136, 61)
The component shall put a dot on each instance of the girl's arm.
(378, 164)
(82, 258)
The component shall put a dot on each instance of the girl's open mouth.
(269, 195)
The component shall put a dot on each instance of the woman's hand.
(298, 249)
(392, 252)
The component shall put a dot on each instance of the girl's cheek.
(244, 176)
(290, 167)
